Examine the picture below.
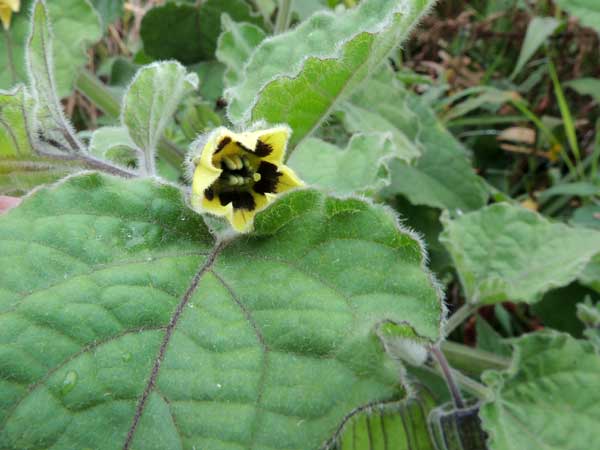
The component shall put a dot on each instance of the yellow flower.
(238, 174)
(7, 7)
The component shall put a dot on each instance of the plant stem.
(459, 316)
(284, 16)
(446, 372)
(472, 360)
(99, 94)
(470, 385)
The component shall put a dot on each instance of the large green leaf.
(548, 399)
(150, 103)
(361, 167)
(189, 33)
(587, 11)
(298, 77)
(504, 252)
(442, 176)
(75, 26)
(124, 325)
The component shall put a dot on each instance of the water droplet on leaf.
(69, 382)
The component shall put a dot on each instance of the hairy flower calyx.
(238, 174)
(7, 8)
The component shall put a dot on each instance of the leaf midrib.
(204, 267)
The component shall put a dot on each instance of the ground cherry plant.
(250, 245)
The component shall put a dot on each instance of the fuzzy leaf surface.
(51, 122)
(360, 167)
(507, 253)
(123, 322)
(442, 176)
(298, 77)
(114, 144)
(236, 43)
(21, 168)
(548, 399)
(75, 26)
(150, 103)
(15, 137)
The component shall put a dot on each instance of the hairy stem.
(284, 16)
(459, 316)
(472, 360)
(448, 376)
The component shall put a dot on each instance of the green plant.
(303, 315)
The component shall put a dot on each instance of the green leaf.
(236, 44)
(150, 103)
(426, 221)
(15, 130)
(586, 86)
(18, 176)
(504, 252)
(75, 26)
(172, 31)
(188, 33)
(488, 339)
(300, 76)
(538, 31)
(587, 11)
(370, 110)
(557, 308)
(587, 216)
(591, 275)
(548, 399)
(393, 425)
(576, 189)
(361, 167)
(590, 316)
(122, 317)
(53, 125)
(114, 144)
(210, 76)
(109, 10)
(442, 177)
(306, 8)
(21, 168)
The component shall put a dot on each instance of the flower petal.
(276, 139)
(215, 207)
(204, 177)
(242, 220)
(288, 179)
(5, 15)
